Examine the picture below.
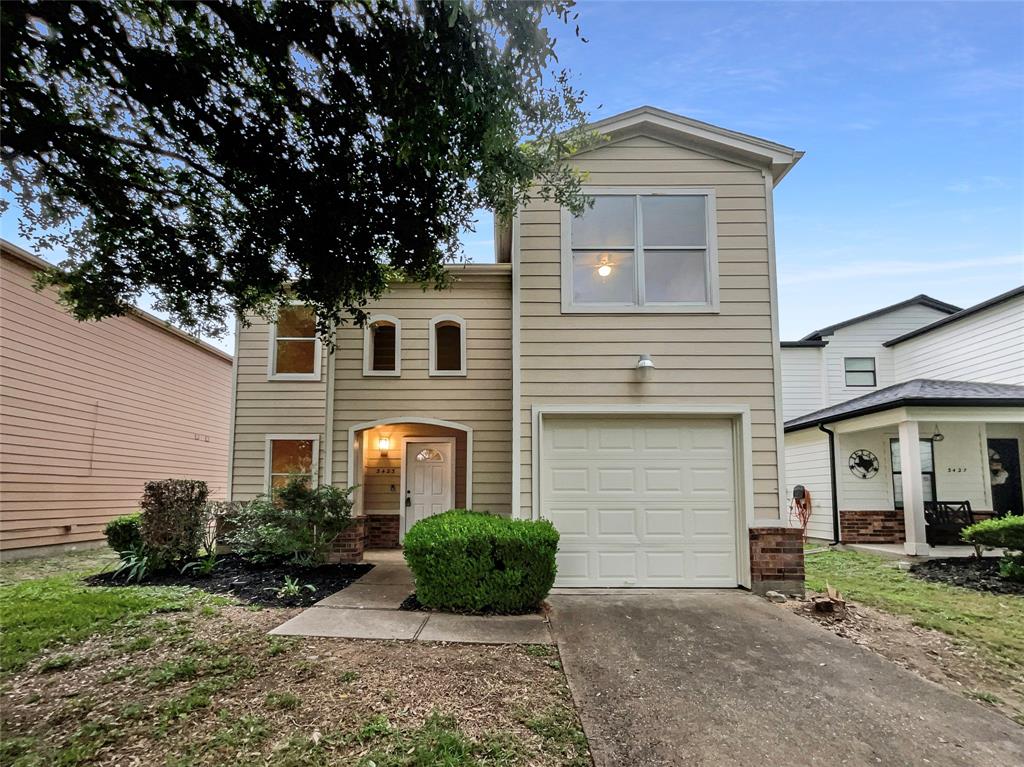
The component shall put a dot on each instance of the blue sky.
(911, 115)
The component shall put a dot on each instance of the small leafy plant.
(134, 565)
(203, 567)
(292, 588)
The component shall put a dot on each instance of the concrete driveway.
(723, 677)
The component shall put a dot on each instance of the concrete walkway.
(725, 678)
(368, 609)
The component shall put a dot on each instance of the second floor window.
(642, 252)
(294, 347)
(860, 371)
(382, 347)
(448, 346)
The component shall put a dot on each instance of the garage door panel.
(641, 502)
(570, 523)
(618, 523)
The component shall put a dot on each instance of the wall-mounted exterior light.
(645, 362)
(383, 445)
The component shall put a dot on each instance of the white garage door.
(640, 502)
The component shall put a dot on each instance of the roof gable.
(685, 131)
(919, 300)
(969, 311)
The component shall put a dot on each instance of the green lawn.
(41, 612)
(993, 623)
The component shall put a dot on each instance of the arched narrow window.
(448, 346)
(382, 346)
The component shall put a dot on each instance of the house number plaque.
(385, 471)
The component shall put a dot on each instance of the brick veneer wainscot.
(885, 526)
(382, 531)
(349, 545)
(777, 560)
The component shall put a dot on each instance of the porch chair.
(945, 520)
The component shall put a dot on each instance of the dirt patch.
(929, 653)
(254, 585)
(969, 573)
(210, 688)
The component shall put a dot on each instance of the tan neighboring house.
(89, 411)
(616, 373)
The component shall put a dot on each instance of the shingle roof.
(920, 391)
(970, 310)
(921, 300)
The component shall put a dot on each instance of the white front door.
(429, 480)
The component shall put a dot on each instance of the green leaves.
(465, 561)
(225, 156)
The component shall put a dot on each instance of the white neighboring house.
(924, 373)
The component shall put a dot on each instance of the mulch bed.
(251, 584)
(977, 574)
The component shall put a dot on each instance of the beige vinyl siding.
(802, 381)
(91, 411)
(481, 400)
(264, 407)
(707, 359)
(987, 346)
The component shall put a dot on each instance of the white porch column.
(913, 488)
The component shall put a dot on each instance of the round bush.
(123, 533)
(471, 562)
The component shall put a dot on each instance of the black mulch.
(412, 604)
(977, 574)
(254, 585)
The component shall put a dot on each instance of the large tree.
(227, 155)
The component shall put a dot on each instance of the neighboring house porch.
(911, 464)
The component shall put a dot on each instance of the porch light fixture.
(937, 436)
(383, 445)
(644, 362)
(604, 268)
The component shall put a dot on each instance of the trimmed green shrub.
(297, 522)
(998, 533)
(173, 519)
(472, 562)
(1001, 533)
(123, 534)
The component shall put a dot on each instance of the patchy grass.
(994, 623)
(208, 687)
(38, 614)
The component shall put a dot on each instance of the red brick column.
(349, 545)
(885, 526)
(382, 531)
(776, 560)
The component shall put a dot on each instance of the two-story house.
(899, 418)
(616, 373)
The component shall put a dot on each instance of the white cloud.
(898, 268)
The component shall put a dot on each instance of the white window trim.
(271, 438)
(272, 356)
(368, 346)
(873, 371)
(711, 211)
(463, 369)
